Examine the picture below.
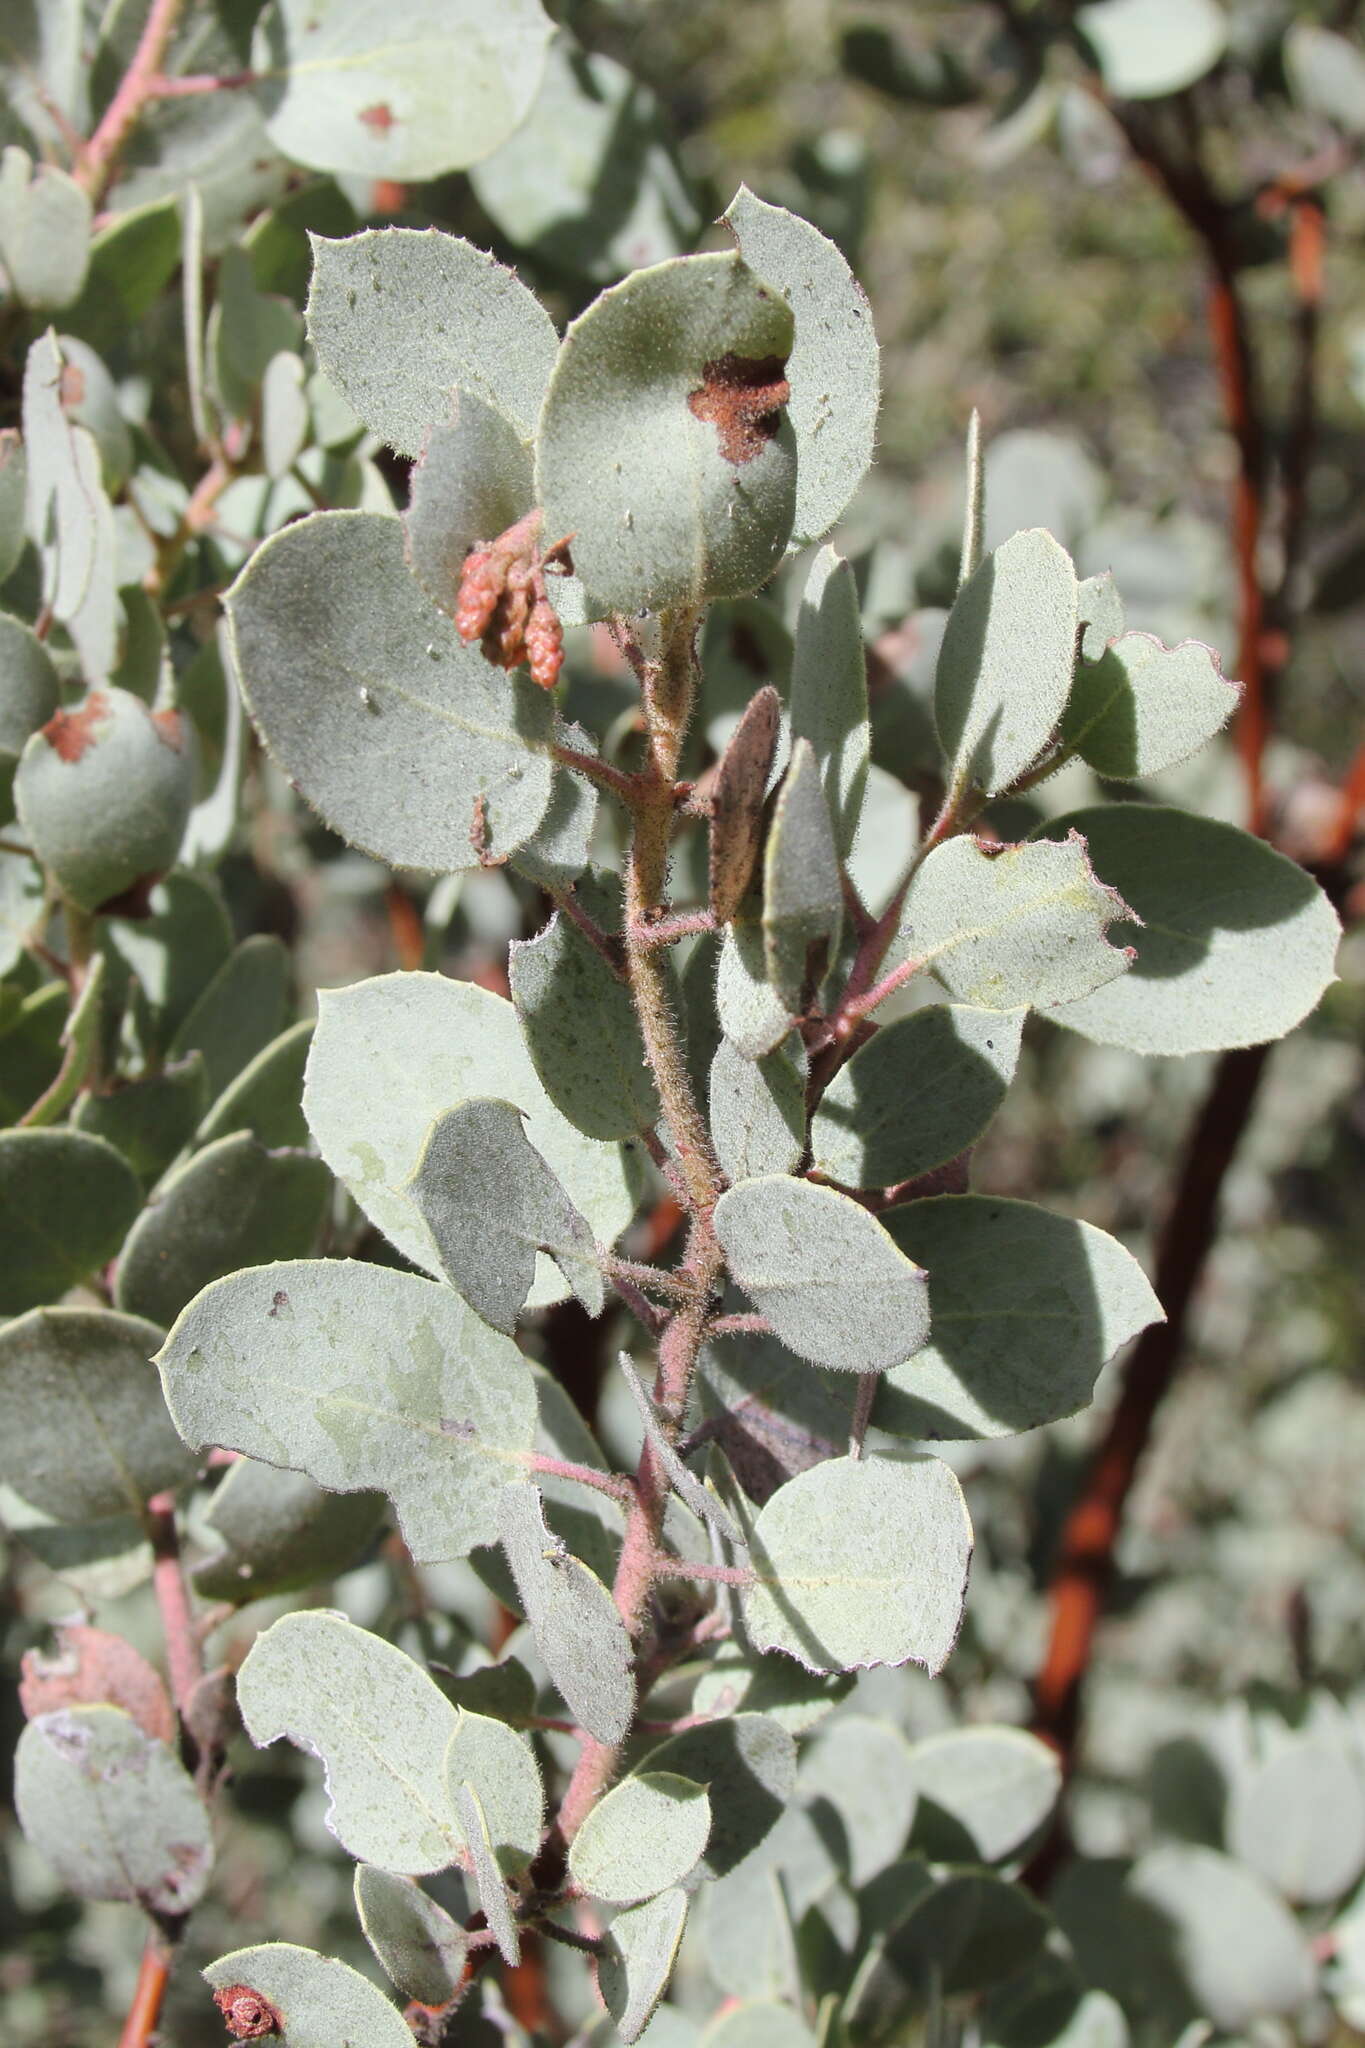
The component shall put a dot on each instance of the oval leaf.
(316, 2002)
(1140, 707)
(637, 1960)
(645, 1835)
(422, 1950)
(573, 1618)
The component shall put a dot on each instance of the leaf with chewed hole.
(404, 740)
(806, 1256)
(365, 1379)
(834, 369)
(859, 1562)
(379, 1724)
(662, 446)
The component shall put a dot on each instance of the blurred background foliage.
(1020, 262)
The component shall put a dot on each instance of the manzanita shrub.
(775, 983)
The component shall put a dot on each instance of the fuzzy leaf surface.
(582, 1032)
(804, 1254)
(481, 331)
(391, 1055)
(358, 87)
(320, 2001)
(365, 1379)
(758, 1109)
(488, 1879)
(422, 1950)
(834, 369)
(747, 1762)
(916, 1095)
(752, 1014)
(404, 740)
(1237, 944)
(379, 1724)
(501, 1764)
(861, 1561)
(1024, 1310)
(573, 1618)
(803, 900)
(492, 1205)
(829, 690)
(1026, 925)
(1142, 707)
(1004, 669)
(112, 1809)
(474, 479)
(640, 1948)
(86, 1430)
(661, 446)
(646, 1834)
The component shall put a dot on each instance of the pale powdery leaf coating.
(1024, 1310)
(573, 1618)
(1239, 1949)
(393, 1054)
(916, 1095)
(422, 1950)
(321, 2003)
(758, 1109)
(405, 741)
(406, 93)
(86, 1431)
(1006, 927)
(1102, 614)
(637, 1959)
(747, 1762)
(835, 1287)
(279, 1531)
(1005, 666)
(643, 1837)
(112, 1809)
(488, 1881)
(803, 900)
(365, 1379)
(1148, 48)
(492, 1204)
(471, 482)
(662, 447)
(861, 1561)
(501, 1764)
(829, 689)
(378, 1724)
(834, 369)
(557, 851)
(1298, 1818)
(1141, 707)
(582, 1032)
(999, 1784)
(1237, 944)
(374, 294)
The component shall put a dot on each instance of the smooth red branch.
(144, 2013)
(98, 161)
(184, 1658)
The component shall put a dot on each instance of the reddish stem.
(144, 2014)
(98, 160)
(184, 1658)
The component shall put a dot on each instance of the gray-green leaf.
(405, 741)
(319, 2001)
(480, 328)
(279, 1531)
(832, 1283)
(1141, 707)
(422, 1950)
(573, 1618)
(488, 1879)
(44, 231)
(1149, 48)
(995, 1785)
(1025, 1308)
(501, 1764)
(662, 447)
(364, 1378)
(1236, 943)
(474, 479)
(747, 1762)
(803, 902)
(379, 1724)
(582, 1032)
(492, 1204)
(758, 1109)
(1005, 666)
(1006, 927)
(645, 1835)
(861, 1561)
(834, 370)
(829, 690)
(113, 1810)
(637, 1960)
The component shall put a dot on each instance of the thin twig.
(184, 1658)
(612, 1483)
(144, 2013)
(97, 162)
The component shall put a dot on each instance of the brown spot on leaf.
(742, 398)
(170, 729)
(281, 1301)
(246, 2014)
(91, 1667)
(69, 733)
(71, 384)
(378, 118)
